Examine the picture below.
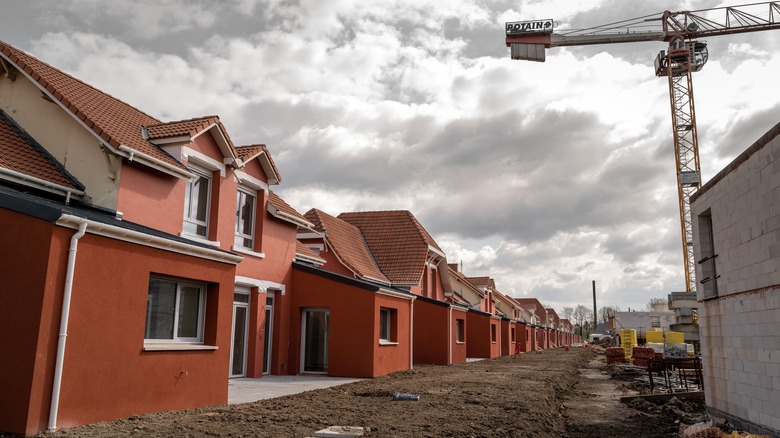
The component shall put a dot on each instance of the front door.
(314, 342)
(269, 332)
(239, 336)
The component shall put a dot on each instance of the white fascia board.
(310, 235)
(309, 259)
(433, 249)
(27, 180)
(184, 139)
(288, 217)
(250, 181)
(222, 142)
(395, 294)
(202, 160)
(138, 238)
(261, 285)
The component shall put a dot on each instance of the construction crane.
(528, 41)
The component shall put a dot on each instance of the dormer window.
(197, 200)
(246, 201)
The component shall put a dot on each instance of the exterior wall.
(524, 337)
(431, 334)
(104, 355)
(152, 198)
(25, 376)
(478, 334)
(70, 143)
(507, 347)
(739, 311)
(353, 337)
(459, 348)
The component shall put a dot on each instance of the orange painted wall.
(507, 347)
(353, 338)
(151, 198)
(105, 340)
(23, 301)
(524, 337)
(431, 333)
(459, 353)
(478, 335)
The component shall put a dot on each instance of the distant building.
(643, 321)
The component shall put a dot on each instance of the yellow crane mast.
(528, 41)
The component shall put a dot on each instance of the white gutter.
(288, 217)
(51, 187)
(395, 294)
(55, 392)
(139, 238)
(153, 162)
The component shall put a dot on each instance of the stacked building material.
(616, 355)
(628, 341)
(641, 356)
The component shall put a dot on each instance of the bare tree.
(568, 313)
(606, 312)
(583, 316)
(651, 305)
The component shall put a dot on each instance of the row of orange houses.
(151, 262)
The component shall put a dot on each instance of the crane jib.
(532, 26)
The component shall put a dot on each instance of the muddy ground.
(554, 393)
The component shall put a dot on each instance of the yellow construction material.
(675, 337)
(628, 337)
(655, 336)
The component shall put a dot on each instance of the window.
(460, 330)
(387, 325)
(493, 336)
(709, 273)
(513, 335)
(196, 204)
(245, 218)
(174, 311)
(655, 321)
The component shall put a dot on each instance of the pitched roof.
(349, 245)
(282, 210)
(399, 243)
(462, 278)
(482, 282)
(189, 127)
(250, 152)
(304, 254)
(21, 154)
(114, 121)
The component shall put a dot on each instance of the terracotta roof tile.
(19, 152)
(284, 207)
(397, 240)
(301, 249)
(349, 245)
(189, 127)
(250, 152)
(114, 121)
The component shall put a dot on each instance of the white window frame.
(460, 331)
(199, 173)
(386, 325)
(198, 339)
(238, 241)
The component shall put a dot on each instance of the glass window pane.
(189, 312)
(200, 198)
(160, 308)
(239, 340)
(384, 324)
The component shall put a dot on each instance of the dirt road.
(545, 394)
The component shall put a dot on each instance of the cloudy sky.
(545, 176)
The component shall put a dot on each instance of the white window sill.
(386, 342)
(460, 342)
(200, 239)
(179, 347)
(247, 251)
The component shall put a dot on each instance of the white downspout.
(449, 321)
(55, 392)
(411, 332)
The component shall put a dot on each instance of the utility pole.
(595, 314)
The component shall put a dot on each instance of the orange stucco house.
(409, 257)
(183, 272)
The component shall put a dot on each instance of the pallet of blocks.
(616, 355)
(628, 340)
(641, 356)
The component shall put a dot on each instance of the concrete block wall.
(741, 359)
(739, 311)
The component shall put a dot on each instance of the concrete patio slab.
(249, 390)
